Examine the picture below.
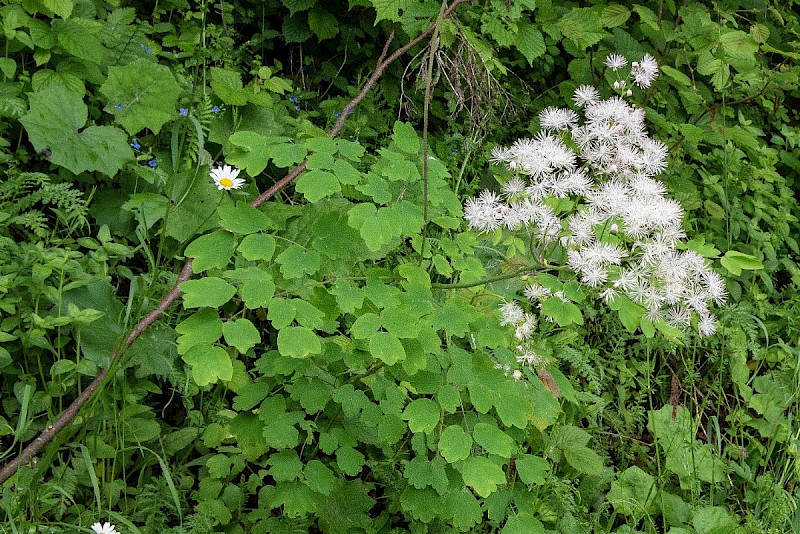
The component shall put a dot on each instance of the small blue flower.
(352, 110)
(184, 112)
(118, 107)
(146, 48)
(293, 99)
(453, 151)
(136, 145)
(337, 114)
(297, 108)
(215, 109)
(152, 163)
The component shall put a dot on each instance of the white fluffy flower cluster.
(621, 237)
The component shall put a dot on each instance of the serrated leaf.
(79, 38)
(210, 291)
(322, 23)
(482, 475)
(406, 138)
(227, 85)
(582, 26)
(530, 42)
(614, 15)
(241, 334)
(209, 364)
(298, 342)
(422, 415)
(62, 8)
(584, 460)
(386, 347)
(633, 493)
(455, 444)
(53, 123)
(387, 10)
(146, 92)
(211, 251)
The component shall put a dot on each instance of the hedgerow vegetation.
(321, 343)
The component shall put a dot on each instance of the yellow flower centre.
(226, 182)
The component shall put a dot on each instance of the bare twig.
(68, 415)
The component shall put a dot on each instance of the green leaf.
(316, 185)
(211, 251)
(482, 475)
(243, 218)
(735, 262)
(202, 327)
(297, 262)
(147, 93)
(53, 123)
(494, 440)
(312, 393)
(285, 465)
(227, 85)
(584, 460)
(530, 42)
(614, 15)
(455, 444)
(387, 10)
(257, 289)
(62, 8)
(209, 364)
(298, 342)
(252, 151)
(422, 415)
(582, 26)
(79, 38)
(406, 138)
(349, 460)
(210, 291)
(386, 347)
(318, 477)
(257, 247)
(633, 494)
(532, 469)
(322, 23)
(564, 313)
(251, 396)
(241, 334)
(286, 155)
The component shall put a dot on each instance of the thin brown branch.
(68, 415)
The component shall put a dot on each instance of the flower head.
(215, 109)
(615, 61)
(225, 177)
(183, 112)
(105, 528)
(152, 163)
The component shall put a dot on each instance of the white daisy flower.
(105, 528)
(225, 177)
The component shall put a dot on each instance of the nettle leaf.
(584, 460)
(297, 262)
(614, 15)
(243, 218)
(386, 347)
(227, 85)
(209, 364)
(62, 8)
(530, 41)
(582, 26)
(147, 93)
(735, 262)
(257, 247)
(422, 415)
(53, 122)
(482, 475)
(455, 444)
(322, 23)
(241, 334)
(78, 36)
(210, 251)
(494, 440)
(298, 342)
(210, 291)
(405, 137)
(317, 184)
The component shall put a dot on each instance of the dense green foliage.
(336, 361)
